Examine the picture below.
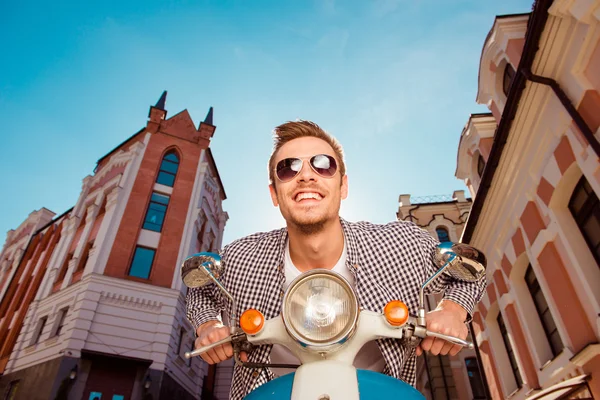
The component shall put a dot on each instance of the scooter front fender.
(371, 386)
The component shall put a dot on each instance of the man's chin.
(309, 226)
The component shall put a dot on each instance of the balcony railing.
(440, 198)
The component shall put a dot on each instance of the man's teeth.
(308, 195)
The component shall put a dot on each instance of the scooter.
(322, 324)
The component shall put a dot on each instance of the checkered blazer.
(388, 262)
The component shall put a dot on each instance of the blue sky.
(393, 80)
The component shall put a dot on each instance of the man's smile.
(307, 196)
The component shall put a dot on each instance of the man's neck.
(319, 250)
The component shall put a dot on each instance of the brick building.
(532, 167)
(91, 301)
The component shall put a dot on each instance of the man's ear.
(344, 188)
(273, 192)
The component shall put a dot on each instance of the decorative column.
(106, 235)
(4, 272)
(489, 365)
(202, 219)
(92, 211)
(72, 232)
(11, 270)
(223, 217)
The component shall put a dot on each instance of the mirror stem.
(233, 317)
(421, 314)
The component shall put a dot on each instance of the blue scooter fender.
(371, 385)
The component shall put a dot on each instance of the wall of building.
(23, 286)
(45, 380)
(74, 273)
(440, 376)
(543, 160)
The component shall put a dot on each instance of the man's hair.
(296, 129)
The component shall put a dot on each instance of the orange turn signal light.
(252, 321)
(396, 313)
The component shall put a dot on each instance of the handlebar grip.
(204, 349)
(451, 339)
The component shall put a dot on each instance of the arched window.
(480, 165)
(168, 169)
(507, 79)
(442, 234)
(585, 208)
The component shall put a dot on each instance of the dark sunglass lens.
(288, 168)
(324, 165)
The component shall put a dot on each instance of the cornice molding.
(494, 50)
(131, 301)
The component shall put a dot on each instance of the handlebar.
(204, 349)
(451, 339)
(419, 331)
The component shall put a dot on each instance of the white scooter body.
(328, 375)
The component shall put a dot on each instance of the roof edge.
(535, 27)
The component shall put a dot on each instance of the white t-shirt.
(369, 357)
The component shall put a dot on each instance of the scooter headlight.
(320, 309)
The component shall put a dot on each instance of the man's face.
(308, 200)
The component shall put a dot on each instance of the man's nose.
(306, 173)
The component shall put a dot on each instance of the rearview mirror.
(200, 269)
(461, 261)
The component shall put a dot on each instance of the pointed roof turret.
(206, 127)
(161, 102)
(209, 117)
(157, 113)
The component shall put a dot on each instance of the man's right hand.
(211, 332)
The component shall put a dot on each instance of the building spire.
(161, 102)
(209, 117)
(206, 127)
(157, 113)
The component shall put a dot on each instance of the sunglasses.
(323, 164)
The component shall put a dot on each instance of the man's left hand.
(448, 318)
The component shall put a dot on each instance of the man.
(383, 262)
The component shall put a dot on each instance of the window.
(544, 312)
(142, 262)
(168, 170)
(39, 329)
(442, 234)
(12, 390)
(585, 207)
(507, 79)
(155, 215)
(180, 344)
(509, 351)
(475, 378)
(62, 314)
(191, 348)
(480, 165)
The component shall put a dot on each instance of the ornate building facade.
(443, 377)
(92, 304)
(532, 167)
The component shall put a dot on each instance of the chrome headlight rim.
(340, 338)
